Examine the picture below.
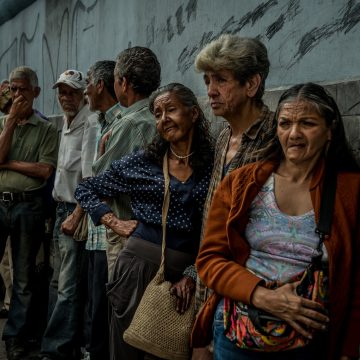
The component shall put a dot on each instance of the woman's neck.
(181, 148)
(241, 121)
(297, 173)
(180, 152)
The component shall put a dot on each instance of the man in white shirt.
(76, 154)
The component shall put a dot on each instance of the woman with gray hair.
(235, 69)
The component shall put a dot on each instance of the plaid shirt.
(97, 234)
(132, 130)
(253, 139)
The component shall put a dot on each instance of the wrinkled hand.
(70, 224)
(183, 290)
(103, 141)
(302, 314)
(19, 109)
(124, 227)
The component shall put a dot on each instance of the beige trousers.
(115, 243)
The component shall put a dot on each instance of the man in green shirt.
(28, 154)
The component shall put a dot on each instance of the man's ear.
(252, 85)
(37, 90)
(100, 86)
(124, 85)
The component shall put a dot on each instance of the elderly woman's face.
(226, 95)
(302, 132)
(174, 120)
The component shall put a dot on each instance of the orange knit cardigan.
(224, 252)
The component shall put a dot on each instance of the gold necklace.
(180, 157)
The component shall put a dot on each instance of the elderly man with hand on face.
(28, 152)
(76, 153)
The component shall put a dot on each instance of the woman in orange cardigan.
(260, 230)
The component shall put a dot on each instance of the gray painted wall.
(315, 40)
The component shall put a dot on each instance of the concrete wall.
(308, 40)
(314, 40)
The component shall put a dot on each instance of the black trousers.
(98, 345)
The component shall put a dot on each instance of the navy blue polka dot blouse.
(143, 180)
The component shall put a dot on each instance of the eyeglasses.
(15, 89)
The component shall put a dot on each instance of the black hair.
(338, 152)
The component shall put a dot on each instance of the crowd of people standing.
(242, 221)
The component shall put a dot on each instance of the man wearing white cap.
(76, 153)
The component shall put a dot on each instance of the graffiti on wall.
(54, 38)
(58, 49)
(348, 18)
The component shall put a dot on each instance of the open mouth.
(296, 146)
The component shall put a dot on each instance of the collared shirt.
(253, 139)
(35, 141)
(76, 154)
(97, 234)
(133, 128)
(110, 116)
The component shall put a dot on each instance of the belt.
(8, 196)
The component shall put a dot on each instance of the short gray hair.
(245, 57)
(141, 68)
(24, 72)
(104, 70)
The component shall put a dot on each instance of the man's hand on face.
(19, 110)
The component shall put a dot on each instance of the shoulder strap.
(165, 209)
(327, 203)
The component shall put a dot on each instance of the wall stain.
(169, 29)
(88, 27)
(150, 32)
(232, 26)
(13, 46)
(275, 27)
(293, 9)
(172, 28)
(191, 8)
(179, 20)
(349, 18)
(176, 20)
(67, 41)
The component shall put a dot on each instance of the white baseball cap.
(73, 78)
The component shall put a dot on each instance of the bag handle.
(165, 209)
(323, 227)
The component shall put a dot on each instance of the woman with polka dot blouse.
(183, 133)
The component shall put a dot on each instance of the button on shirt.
(142, 179)
(76, 154)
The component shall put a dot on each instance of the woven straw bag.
(157, 328)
